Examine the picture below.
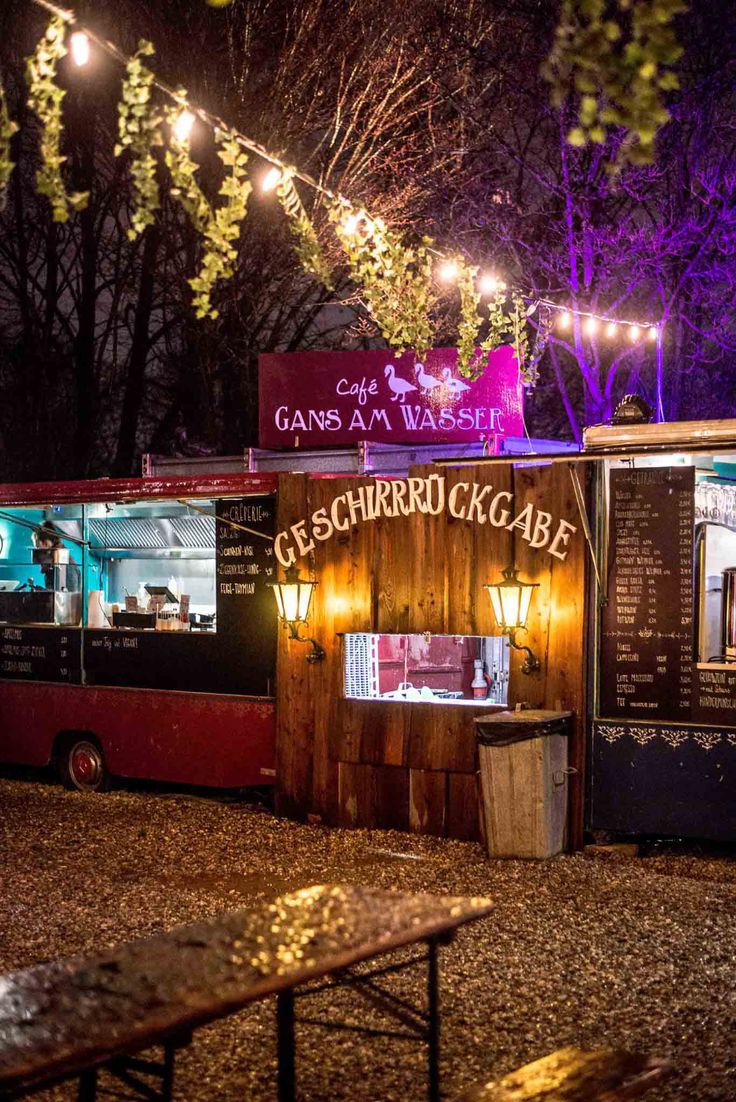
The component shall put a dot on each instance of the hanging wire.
(219, 124)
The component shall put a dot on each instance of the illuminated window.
(435, 669)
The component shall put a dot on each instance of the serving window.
(434, 669)
(156, 566)
(41, 553)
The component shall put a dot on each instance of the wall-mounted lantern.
(510, 600)
(293, 598)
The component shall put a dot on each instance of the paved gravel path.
(637, 952)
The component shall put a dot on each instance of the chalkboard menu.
(188, 661)
(715, 700)
(247, 623)
(647, 624)
(40, 653)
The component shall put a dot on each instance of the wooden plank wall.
(413, 766)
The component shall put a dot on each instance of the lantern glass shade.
(293, 597)
(510, 600)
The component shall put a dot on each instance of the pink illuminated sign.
(322, 399)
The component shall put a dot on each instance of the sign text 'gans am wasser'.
(401, 497)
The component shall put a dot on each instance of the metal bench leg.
(167, 1073)
(87, 1091)
(433, 1027)
(286, 1046)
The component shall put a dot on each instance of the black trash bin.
(523, 771)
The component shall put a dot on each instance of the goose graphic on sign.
(455, 386)
(426, 381)
(400, 387)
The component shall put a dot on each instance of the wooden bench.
(69, 1019)
(575, 1075)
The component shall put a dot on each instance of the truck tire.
(83, 767)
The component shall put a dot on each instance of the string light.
(489, 284)
(272, 179)
(448, 271)
(79, 48)
(592, 322)
(352, 223)
(183, 125)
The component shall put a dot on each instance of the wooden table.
(69, 1018)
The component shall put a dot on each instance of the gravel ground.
(636, 952)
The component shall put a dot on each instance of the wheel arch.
(64, 739)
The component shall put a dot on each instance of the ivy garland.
(139, 129)
(469, 363)
(45, 99)
(220, 228)
(615, 57)
(473, 352)
(7, 128)
(520, 338)
(541, 340)
(306, 244)
(395, 280)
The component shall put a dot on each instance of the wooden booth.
(409, 558)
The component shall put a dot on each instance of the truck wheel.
(83, 767)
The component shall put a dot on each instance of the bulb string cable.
(218, 124)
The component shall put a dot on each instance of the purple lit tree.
(654, 243)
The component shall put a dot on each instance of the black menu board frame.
(647, 625)
(247, 623)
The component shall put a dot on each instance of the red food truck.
(137, 630)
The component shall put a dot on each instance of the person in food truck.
(47, 537)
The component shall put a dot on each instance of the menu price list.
(40, 653)
(647, 628)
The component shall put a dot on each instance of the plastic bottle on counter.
(142, 598)
(478, 684)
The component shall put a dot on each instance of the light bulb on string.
(490, 284)
(611, 329)
(449, 271)
(591, 326)
(272, 179)
(79, 48)
(652, 332)
(353, 224)
(183, 125)
(565, 319)
(634, 332)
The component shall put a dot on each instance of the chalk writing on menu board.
(716, 701)
(40, 654)
(244, 559)
(247, 624)
(647, 628)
